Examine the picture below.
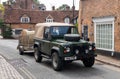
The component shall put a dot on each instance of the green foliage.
(6, 30)
(76, 24)
(37, 1)
(12, 1)
(2, 8)
(62, 7)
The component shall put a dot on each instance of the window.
(104, 36)
(46, 32)
(62, 30)
(18, 31)
(49, 20)
(25, 19)
(104, 33)
(67, 20)
(33, 6)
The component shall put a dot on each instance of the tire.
(56, 62)
(21, 51)
(89, 62)
(37, 55)
(72, 37)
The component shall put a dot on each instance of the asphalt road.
(29, 69)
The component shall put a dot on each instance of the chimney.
(67, 8)
(73, 7)
(53, 7)
(7, 5)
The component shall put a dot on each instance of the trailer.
(26, 42)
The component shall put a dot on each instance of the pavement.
(7, 71)
(108, 60)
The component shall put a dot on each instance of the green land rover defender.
(62, 43)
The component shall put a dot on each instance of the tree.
(37, 1)
(63, 7)
(12, 1)
(2, 8)
(6, 30)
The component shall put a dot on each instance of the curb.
(108, 63)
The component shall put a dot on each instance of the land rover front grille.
(81, 49)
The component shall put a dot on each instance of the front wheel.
(89, 62)
(56, 62)
(37, 55)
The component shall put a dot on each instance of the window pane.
(104, 36)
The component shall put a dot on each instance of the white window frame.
(25, 19)
(49, 20)
(67, 20)
(105, 20)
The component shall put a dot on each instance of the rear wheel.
(89, 62)
(56, 62)
(37, 55)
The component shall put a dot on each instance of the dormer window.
(67, 20)
(49, 19)
(25, 19)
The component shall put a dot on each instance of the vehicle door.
(45, 45)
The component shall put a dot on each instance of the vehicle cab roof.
(39, 28)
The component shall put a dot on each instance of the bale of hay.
(26, 39)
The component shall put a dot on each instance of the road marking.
(27, 73)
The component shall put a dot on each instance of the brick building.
(99, 20)
(20, 18)
(23, 4)
(26, 17)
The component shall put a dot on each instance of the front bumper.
(79, 57)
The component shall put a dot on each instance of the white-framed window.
(25, 19)
(67, 20)
(33, 6)
(49, 20)
(104, 33)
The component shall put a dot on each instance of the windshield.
(61, 30)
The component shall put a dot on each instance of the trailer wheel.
(21, 51)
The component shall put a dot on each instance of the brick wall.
(25, 4)
(100, 8)
(24, 26)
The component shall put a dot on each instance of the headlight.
(86, 51)
(77, 51)
(66, 49)
(90, 47)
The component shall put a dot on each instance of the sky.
(57, 3)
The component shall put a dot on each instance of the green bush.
(6, 30)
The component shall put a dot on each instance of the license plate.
(71, 58)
